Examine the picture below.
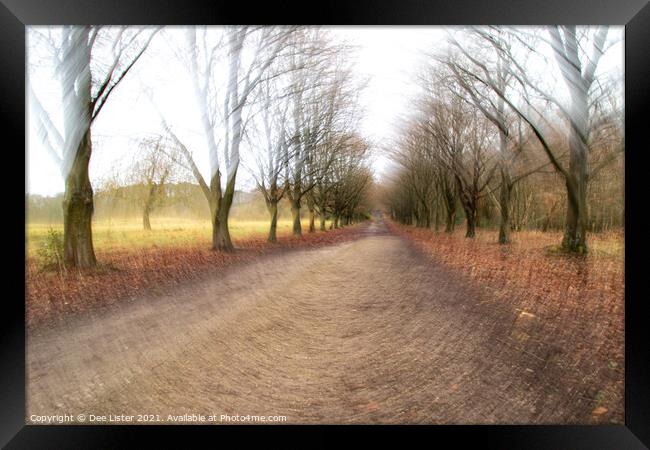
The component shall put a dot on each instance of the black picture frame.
(634, 14)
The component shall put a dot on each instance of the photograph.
(320, 224)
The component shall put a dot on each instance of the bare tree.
(483, 54)
(323, 109)
(579, 76)
(249, 54)
(349, 179)
(414, 153)
(487, 70)
(154, 167)
(446, 155)
(270, 151)
(89, 62)
(462, 146)
(578, 68)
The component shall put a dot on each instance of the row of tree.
(286, 94)
(488, 120)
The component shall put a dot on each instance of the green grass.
(166, 232)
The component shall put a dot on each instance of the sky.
(388, 56)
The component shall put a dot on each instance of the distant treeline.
(539, 203)
(125, 202)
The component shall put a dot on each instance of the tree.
(349, 180)
(530, 120)
(153, 169)
(483, 55)
(89, 62)
(462, 146)
(415, 155)
(270, 151)
(446, 151)
(578, 70)
(579, 77)
(249, 54)
(323, 110)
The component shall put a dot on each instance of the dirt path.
(362, 332)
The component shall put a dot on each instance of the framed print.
(392, 217)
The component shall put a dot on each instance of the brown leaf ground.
(125, 274)
(568, 310)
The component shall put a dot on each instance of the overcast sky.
(389, 56)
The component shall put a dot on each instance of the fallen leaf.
(599, 411)
(371, 406)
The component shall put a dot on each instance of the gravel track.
(367, 331)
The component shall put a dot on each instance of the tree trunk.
(450, 207)
(576, 221)
(504, 205)
(295, 213)
(471, 223)
(146, 211)
(575, 234)
(506, 188)
(78, 210)
(312, 220)
(273, 211)
(146, 223)
(322, 221)
(220, 231)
